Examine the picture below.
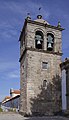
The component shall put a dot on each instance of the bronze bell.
(38, 42)
(49, 45)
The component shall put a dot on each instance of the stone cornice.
(38, 23)
(44, 51)
(45, 25)
(39, 50)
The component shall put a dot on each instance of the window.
(45, 84)
(44, 65)
(50, 42)
(22, 69)
(39, 40)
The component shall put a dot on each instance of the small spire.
(59, 25)
(39, 16)
(28, 16)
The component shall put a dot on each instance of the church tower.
(40, 73)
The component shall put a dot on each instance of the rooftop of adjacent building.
(12, 91)
(6, 98)
(65, 63)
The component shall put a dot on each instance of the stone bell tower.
(40, 73)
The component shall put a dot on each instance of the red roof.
(7, 97)
(16, 91)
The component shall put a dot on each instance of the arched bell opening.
(39, 40)
(50, 42)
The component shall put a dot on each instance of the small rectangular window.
(44, 65)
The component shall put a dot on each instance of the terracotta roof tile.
(16, 91)
(7, 97)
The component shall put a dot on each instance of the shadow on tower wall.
(48, 102)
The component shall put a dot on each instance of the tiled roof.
(7, 97)
(65, 64)
(16, 91)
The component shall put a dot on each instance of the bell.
(49, 45)
(38, 42)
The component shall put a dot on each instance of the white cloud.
(14, 74)
(9, 70)
(2, 96)
(6, 65)
(63, 14)
(16, 12)
(22, 8)
(10, 75)
(7, 32)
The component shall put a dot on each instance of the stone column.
(64, 89)
(65, 65)
(67, 88)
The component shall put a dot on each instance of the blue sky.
(12, 15)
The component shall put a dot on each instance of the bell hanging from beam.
(49, 45)
(38, 42)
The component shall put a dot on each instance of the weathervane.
(39, 9)
(39, 16)
(28, 14)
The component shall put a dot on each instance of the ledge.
(39, 50)
(38, 23)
